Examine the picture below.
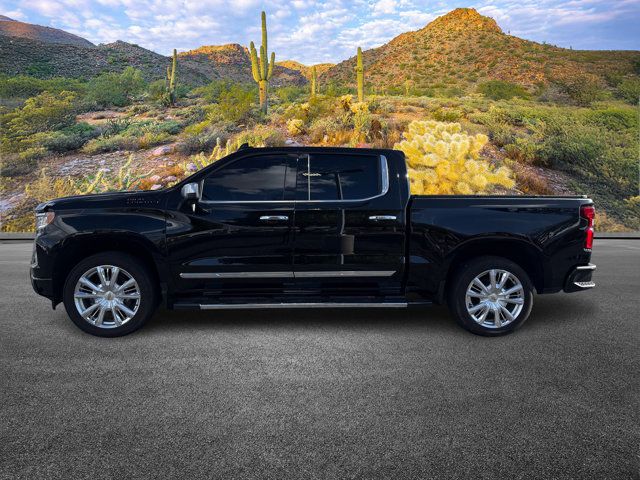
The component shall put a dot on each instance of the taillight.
(589, 213)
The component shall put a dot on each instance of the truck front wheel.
(490, 296)
(109, 294)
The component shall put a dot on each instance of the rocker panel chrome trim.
(314, 274)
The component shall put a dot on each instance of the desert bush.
(295, 127)
(530, 183)
(614, 118)
(500, 90)
(156, 91)
(198, 142)
(260, 136)
(522, 150)
(211, 92)
(629, 90)
(324, 128)
(42, 113)
(444, 160)
(446, 114)
(47, 187)
(115, 89)
(361, 120)
(24, 86)
(69, 138)
(573, 146)
(123, 134)
(234, 105)
(581, 90)
(291, 93)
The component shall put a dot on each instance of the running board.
(249, 306)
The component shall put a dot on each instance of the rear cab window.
(335, 177)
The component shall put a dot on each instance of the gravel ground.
(325, 394)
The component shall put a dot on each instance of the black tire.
(148, 293)
(462, 279)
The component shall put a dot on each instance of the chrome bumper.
(580, 278)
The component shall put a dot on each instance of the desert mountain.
(304, 69)
(232, 62)
(463, 47)
(13, 28)
(458, 49)
(48, 52)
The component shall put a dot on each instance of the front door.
(239, 238)
(349, 227)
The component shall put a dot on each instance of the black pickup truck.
(307, 228)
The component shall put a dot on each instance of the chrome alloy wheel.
(107, 296)
(495, 298)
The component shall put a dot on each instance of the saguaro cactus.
(360, 75)
(261, 68)
(172, 79)
(314, 79)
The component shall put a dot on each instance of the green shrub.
(523, 150)
(326, 126)
(42, 113)
(70, 138)
(291, 93)
(575, 147)
(115, 89)
(122, 134)
(212, 91)
(446, 114)
(260, 136)
(500, 90)
(582, 90)
(614, 118)
(24, 86)
(629, 90)
(156, 91)
(234, 105)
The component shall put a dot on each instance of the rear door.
(349, 227)
(240, 231)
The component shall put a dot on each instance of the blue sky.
(328, 31)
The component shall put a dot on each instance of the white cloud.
(15, 14)
(384, 7)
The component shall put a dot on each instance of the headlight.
(43, 219)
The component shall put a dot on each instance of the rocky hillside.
(463, 48)
(304, 69)
(32, 57)
(232, 62)
(13, 28)
(20, 54)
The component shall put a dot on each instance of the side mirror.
(191, 191)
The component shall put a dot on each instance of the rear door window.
(338, 177)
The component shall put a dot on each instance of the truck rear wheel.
(491, 296)
(109, 294)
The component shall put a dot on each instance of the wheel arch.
(527, 256)
(79, 247)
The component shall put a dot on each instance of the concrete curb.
(28, 237)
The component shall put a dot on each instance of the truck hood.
(103, 200)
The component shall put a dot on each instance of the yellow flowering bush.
(295, 127)
(444, 160)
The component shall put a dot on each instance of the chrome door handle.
(273, 218)
(378, 218)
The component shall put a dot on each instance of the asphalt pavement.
(325, 393)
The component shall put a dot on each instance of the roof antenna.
(244, 146)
